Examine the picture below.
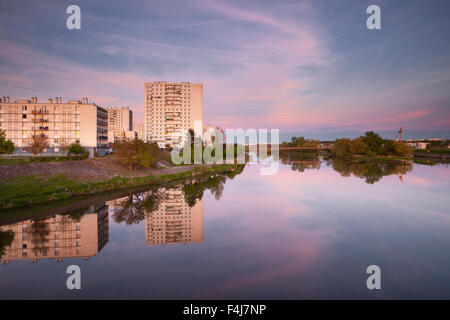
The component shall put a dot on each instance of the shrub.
(6, 146)
(135, 153)
(358, 146)
(76, 149)
(341, 147)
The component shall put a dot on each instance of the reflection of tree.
(194, 190)
(371, 171)
(6, 238)
(38, 232)
(77, 214)
(133, 207)
(294, 159)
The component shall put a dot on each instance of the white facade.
(171, 108)
(120, 123)
(139, 128)
(63, 123)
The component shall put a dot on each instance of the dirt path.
(94, 169)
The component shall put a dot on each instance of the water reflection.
(169, 218)
(308, 232)
(56, 237)
(172, 215)
(370, 171)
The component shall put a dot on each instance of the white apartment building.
(139, 128)
(63, 123)
(174, 221)
(59, 236)
(120, 124)
(171, 108)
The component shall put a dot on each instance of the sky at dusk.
(300, 66)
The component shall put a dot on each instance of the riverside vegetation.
(140, 158)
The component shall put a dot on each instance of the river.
(309, 231)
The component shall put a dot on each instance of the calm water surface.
(308, 232)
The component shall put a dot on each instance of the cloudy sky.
(306, 66)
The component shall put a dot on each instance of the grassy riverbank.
(21, 160)
(28, 190)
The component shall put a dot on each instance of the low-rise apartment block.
(63, 123)
(58, 237)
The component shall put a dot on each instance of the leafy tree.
(76, 149)
(401, 148)
(6, 146)
(37, 144)
(370, 144)
(302, 142)
(135, 153)
(358, 146)
(298, 142)
(388, 147)
(341, 147)
(373, 141)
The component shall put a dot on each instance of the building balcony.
(40, 120)
(39, 111)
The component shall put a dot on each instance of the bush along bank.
(31, 190)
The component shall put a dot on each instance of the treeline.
(370, 171)
(371, 144)
(302, 142)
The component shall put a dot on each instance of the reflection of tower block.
(59, 237)
(174, 221)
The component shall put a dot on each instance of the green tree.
(341, 147)
(358, 146)
(373, 141)
(135, 153)
(388, 147)
(402, 149)
(76, 149)
(298, 142)
(6, 146)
